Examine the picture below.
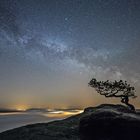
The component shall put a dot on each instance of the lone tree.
(120, 89)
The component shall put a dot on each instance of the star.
(66, 19)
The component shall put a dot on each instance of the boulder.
(109, 122)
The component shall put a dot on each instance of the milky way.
(50, 49)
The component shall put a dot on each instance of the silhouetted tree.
(119, 89)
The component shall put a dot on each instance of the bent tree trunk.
(130, 106)
(125, 100)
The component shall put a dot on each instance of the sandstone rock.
(110, 122)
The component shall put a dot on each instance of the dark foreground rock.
(105, 122)
(109, 122)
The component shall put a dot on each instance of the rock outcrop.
(110, 122)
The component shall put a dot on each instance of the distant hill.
(37, 109)
(3, 110)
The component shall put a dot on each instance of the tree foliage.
(120, 89)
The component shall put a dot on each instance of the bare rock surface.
(110, 122)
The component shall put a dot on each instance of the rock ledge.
(109, 122)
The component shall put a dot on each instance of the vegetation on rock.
(119, 89)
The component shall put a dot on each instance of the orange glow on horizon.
(62, 114)
(21, 108)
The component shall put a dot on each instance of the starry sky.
(50, 49)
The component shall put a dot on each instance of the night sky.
(50, 49)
